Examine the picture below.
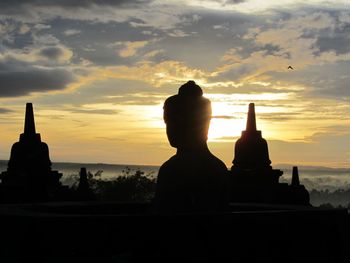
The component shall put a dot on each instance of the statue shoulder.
(169, 165)
(217, 162)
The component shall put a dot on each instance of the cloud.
(45, 39)
(56, 53)
(178, 33)
(129, 48)
(328, 80)
(5, 110)
(226, 2)
(71, 32)
(268, 47)
(24, 29)
(108, 90)
(225, 117)
(153, 54)
(165, 73)
(20, 78)
(334, 38)
(340, 129)
(327, 148)
(279, 116)
(37, 11)
(72, 3)
(38, 54)
(219, 3)
(235, 1)
(94, 111)
(312, 41)
(146, 99)
(229, 139)
(41, 26)
(33, 80)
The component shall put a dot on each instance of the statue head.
(187, 117)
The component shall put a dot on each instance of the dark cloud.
(274, 50)
(5, 110)
(316, 147)
(227, 138)
(226, 117)
(336, 128)
(19, 79)
(243, 89)
(103, 50)
(72, 3)
(112, 91)
(329, 80)
(118, 89)
(103, 57)
(139, 101)
(337, 42)
(229, 2)
(333, 38)
(33, 80)
(236, 73)
(336, 88)
(57, 117)
(91, 10)
(278, 117)
(205, 44)
(234, 1)
(51, 52)
(94, 111)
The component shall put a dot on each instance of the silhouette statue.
(193, 179)
(29, 176)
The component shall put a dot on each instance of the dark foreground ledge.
(115, 232)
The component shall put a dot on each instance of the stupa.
(29, 176)
(252, 156)
(84, 191)
(252, 177)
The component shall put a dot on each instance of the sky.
(98, 72)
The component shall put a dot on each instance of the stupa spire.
(251, 120)
(29, 124)
(295, 176)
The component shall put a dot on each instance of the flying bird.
(290, 67)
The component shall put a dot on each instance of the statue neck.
(193, 149)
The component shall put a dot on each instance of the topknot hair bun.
(190, 89)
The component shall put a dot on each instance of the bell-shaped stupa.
(29, 176)
(252, 155)
(252, 177)
(251, 151)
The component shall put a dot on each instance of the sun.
(223, 129)
(227, 121)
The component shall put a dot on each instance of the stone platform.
(120, 232)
